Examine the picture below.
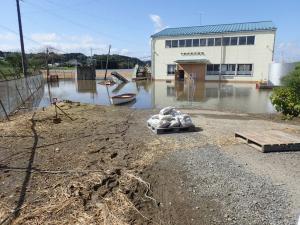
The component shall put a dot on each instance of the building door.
(196, 70)
(180, 74)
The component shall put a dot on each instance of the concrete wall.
(86, 73)
(9, 92)
(260, 54)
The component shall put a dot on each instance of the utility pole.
(48, 76)
(24, 62)
(47, 66)
(107, 62)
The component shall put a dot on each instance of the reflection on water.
(204, 95)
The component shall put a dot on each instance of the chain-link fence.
(15, 93)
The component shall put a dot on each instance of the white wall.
(260, 54)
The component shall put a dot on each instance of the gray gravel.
(245, 198)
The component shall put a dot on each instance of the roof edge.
(273, 28)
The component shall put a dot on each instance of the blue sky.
(78, 25)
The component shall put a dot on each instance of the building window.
(195, 42)
(226, 41)
(233, 41)
(210, 41)
(242, 40)
(171, 68)
(228, 69)
(188, 43)
(213, 69)
(168, 44)
(218, 41)
(174, 43)
(244, 69)
(203, 42)
(181, 43)
(250, 40)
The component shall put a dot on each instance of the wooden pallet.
(270, 141)
(170, 130)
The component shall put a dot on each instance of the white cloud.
(288, 51)
(45, 37)
(8, 37)
(157, 22)
(61, 42)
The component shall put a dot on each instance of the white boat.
(122, 99)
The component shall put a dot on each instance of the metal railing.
(16, 92)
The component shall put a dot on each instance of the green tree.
(286, 99)
(15, 61)
(293, 80)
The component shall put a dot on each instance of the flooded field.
(156, 94)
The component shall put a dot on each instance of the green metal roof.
(215, 29)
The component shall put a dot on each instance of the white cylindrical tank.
(279, 70)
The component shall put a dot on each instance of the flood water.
(235, 97)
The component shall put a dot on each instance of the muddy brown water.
(242, 98)
(233, 97)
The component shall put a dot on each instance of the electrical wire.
(80, 25)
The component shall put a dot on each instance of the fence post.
(20, 95)
(7, 117)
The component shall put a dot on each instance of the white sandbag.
(158, 123)
(185, 120)
(166, 117)
(163, 124)
(175, 113)
(155, 117)
(174, 123)
(153, 122)
(166, 111)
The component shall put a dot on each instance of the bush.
(292, 80)
(286, 101)
(287, 98)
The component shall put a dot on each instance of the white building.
(228, 52)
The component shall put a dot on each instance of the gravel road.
(219, 190)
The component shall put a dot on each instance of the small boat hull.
(122, 99)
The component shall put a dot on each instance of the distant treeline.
(73, 59)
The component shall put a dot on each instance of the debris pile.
(169, 117)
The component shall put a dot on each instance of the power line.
(76, 23)
(53, 48)
(30, 39)
(89, 14)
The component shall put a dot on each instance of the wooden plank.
(271, 141)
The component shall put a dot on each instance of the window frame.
(241, 37)
(228, 41)
(215, 71)
(188, 40)
(244, 72)
(237, 40)
(168, 46)
(169, 72)
(175, 41)
(228, 72)
(181, 41)
(219, 43)
(194, 42)
(252, 36)
(210, 39)
(201, 39)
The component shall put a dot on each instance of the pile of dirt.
(80, 171)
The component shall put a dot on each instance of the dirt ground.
(106, 167)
